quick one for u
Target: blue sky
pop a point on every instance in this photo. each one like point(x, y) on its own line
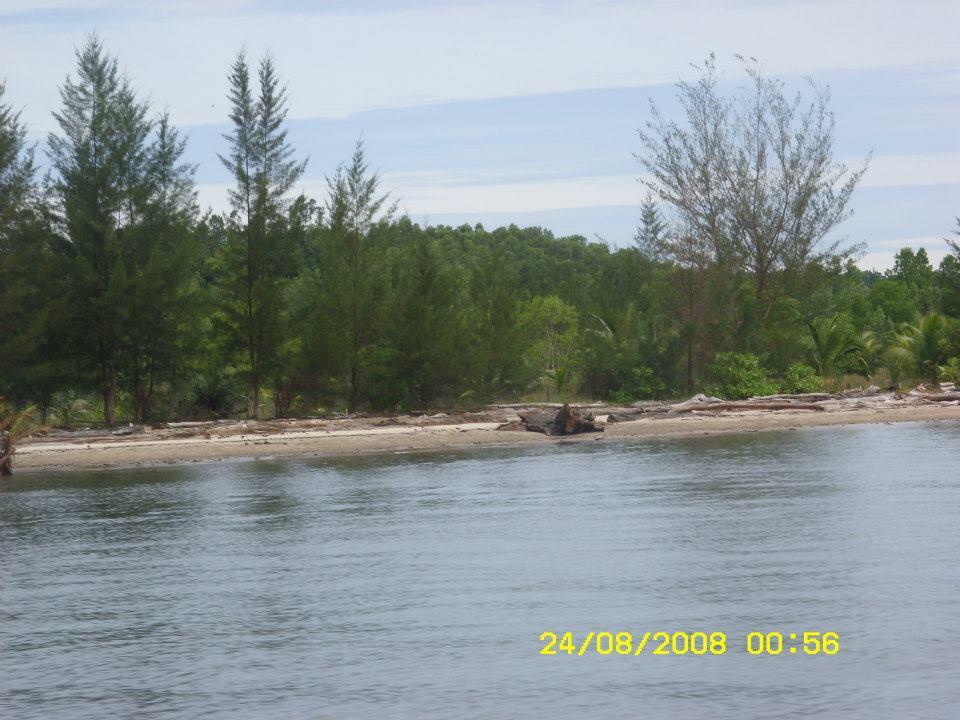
point(527, 111)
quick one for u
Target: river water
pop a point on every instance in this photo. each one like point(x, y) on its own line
point(419, 585)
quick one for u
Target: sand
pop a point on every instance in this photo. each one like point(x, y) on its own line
point(412, 434)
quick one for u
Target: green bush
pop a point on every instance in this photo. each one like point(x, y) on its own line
point(801, 378)
point(639, 383)
point(214, 394)
point(950, 372)
point(738, 376)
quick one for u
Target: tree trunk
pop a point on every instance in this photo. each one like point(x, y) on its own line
point(110, 400)
point(352, 402)
point(255, 400)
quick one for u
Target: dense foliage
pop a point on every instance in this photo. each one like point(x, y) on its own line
point(121, 301)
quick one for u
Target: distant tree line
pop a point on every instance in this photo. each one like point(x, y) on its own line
point(120, 300)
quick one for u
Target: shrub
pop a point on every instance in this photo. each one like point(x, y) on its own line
point(738, 376)
point(950, 372)
point(801, 378)
point(213, 394)
point(638, 384)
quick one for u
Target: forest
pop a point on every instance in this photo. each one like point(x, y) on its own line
point(121, 300)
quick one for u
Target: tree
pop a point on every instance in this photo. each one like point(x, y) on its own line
point(893, 297)
point(354, 204)
point(29, 273)
point(752, 177)
point(955, 244)
point(161, 263)
point(99, 161)
point(832, 344)
point(259, 253)
point(948, 281)
point(14, 424)
point(17, 168)
point(495, 340)
point(914, 271)
point(551, 327)
point(921, 348)
point(652, 232)
point(428, 326)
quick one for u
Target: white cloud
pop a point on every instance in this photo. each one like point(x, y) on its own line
point(912, 170)
point(519, 197)
point(339, 64)
point(453, 191)
point(931, 242)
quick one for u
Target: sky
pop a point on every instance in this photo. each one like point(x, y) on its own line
point(526, 111)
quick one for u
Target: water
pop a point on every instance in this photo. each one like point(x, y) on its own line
point(418, 585)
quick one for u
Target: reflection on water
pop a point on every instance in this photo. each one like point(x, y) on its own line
point(418, 585)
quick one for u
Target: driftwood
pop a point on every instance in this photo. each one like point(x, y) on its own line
point(684, 408)
point(937, 397)
point(802, 397)
point(628, 416)
point(566, 421)
point(859, 393)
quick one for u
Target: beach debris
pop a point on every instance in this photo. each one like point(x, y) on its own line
point(803, 397)
point(130, 429)
point(627, 414)
point(746, 405)
point(860, 392)
point(565, 421)
point(936, 397)
point(764, 402)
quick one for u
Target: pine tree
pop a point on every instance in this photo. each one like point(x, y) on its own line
point(161, 263)
point(28, 270)
point(259, 253)
point(99, 161)
point(427, 320)
point(652, 231)
point(17, 168)
point(354, 204)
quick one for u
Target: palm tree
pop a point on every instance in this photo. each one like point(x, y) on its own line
point(14, 424)
point(921, 348)
point(831, 343)
point(869, 351)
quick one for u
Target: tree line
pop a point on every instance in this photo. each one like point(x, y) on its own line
point(120, 300)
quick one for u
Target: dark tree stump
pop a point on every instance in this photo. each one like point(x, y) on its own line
point(566, 421)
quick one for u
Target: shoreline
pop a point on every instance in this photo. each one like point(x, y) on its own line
point(39, 456)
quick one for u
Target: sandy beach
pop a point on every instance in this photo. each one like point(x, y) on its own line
point(196, 442)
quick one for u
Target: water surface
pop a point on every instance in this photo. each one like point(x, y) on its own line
point(418, 585)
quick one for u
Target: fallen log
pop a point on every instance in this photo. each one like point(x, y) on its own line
point(937, 397)
point(696, 401)
point(803, 397)
point(711, 407)
point(624, 416)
